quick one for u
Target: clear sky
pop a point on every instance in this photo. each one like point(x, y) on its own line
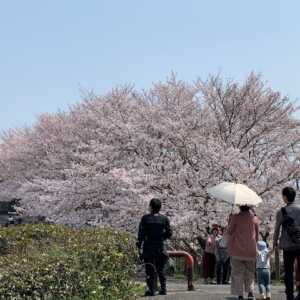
point(51, 49)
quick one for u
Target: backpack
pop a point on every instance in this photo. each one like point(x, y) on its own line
point(292, 229)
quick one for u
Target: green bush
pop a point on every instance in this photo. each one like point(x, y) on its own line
point(58, 262)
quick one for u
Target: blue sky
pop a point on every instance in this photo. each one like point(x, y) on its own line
point(52, 49)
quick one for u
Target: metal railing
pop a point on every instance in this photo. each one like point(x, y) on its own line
point(189, 261)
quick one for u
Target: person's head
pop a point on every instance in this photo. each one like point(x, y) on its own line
point(261, 245)
point(288, 195)
point(215, 231)
point(155, 206)
point(244, 208)
point(223, 230)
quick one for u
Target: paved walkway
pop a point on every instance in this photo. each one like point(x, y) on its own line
point(177, 291)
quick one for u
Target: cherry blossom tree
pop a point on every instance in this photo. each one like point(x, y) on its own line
point(100, 162)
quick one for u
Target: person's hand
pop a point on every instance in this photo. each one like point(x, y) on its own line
point(209, 241)
point(140, 252)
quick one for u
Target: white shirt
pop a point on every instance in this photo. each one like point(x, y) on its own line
point(263, 259)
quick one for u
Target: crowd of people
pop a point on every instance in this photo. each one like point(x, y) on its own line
point(234, 254)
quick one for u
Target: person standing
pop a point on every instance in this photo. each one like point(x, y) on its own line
point(154, 230)
point(209, 258)
point(263, 270)
point(297, 275)
point(243, 231)
point(222, 259)
point(287, 230)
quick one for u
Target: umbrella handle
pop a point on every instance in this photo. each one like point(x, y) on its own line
point(232, 208)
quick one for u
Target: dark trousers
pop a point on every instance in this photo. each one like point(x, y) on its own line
point(228, 271)
point(155, 266)
point(222, 271)
point(209, 265)
point(289, 258)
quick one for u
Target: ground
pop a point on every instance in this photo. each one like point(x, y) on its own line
point(177, 291)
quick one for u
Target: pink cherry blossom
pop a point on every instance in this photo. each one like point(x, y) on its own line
point(102, 161)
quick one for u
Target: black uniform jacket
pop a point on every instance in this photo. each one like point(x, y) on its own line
point(154, 229)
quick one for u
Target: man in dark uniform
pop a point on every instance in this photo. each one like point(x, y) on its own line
point(154, 230)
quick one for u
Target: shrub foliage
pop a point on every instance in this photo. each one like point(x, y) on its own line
point(58, 262)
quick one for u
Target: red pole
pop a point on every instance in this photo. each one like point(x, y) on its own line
point(189, 260)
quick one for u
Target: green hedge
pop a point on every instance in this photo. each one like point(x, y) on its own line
point(57, 262)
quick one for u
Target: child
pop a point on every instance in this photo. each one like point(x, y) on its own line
point(263, 270)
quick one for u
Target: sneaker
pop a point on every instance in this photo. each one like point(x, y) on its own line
point(241, 298)
point(149, 294)
point(251, 296)
point(162, 292)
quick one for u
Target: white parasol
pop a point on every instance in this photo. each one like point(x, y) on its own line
point(235, 194)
